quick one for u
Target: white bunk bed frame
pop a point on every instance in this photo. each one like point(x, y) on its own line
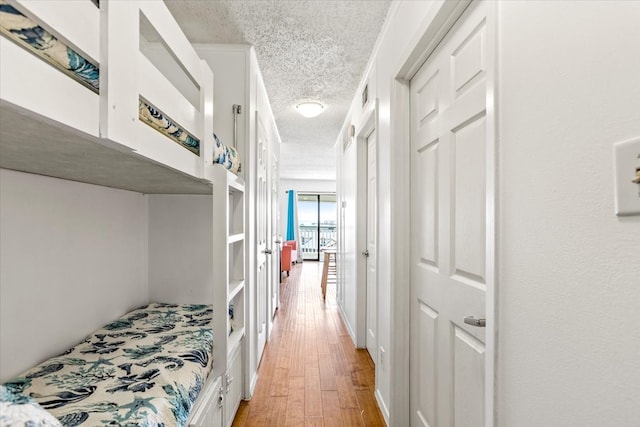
point(51, 125)
point(99, 135)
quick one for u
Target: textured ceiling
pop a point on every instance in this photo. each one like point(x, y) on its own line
point(307, 50)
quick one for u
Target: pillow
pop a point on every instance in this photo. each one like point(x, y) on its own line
point(226, 156)
point(19, 410)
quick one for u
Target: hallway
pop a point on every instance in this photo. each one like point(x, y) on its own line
point(310, 373)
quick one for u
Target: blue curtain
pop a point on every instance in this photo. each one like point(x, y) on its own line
point(291, 225)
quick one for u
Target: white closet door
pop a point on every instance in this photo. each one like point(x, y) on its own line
point(262, 215)
point(371, 250)
point(274, 276)
point(451, 235)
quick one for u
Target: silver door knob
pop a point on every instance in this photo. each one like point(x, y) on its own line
point(480, 323)
point(267, 251)
point(366, 253)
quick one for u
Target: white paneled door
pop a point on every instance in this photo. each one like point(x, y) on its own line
point(371, 252)
point(274, 261)
point(452, 232)
point(262, 237)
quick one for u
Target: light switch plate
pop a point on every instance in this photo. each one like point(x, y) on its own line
point(626, 160)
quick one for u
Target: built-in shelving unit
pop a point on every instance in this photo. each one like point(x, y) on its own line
point(229, 270)
point(235, 287)
point(239, 82)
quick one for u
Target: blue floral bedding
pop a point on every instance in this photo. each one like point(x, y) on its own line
point(150, 115)
point(28, 34)
point(226, 156)
point(18, 410)
point(144, 369)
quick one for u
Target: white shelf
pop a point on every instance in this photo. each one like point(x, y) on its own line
point(234, 288)
point(235, 238)
point(234, 340)
point(236, 183)
point(220, 175)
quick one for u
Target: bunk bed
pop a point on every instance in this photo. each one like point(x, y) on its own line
point(112, 93)
point(76, 86)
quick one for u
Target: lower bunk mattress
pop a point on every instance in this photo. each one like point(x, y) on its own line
point(145, 369)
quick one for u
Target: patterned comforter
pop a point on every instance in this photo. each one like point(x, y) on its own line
point(155, 118)
point(144, 369)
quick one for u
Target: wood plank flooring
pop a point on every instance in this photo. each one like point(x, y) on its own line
point(311, 374)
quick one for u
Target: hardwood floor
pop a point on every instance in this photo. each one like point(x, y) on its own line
point(311, 374)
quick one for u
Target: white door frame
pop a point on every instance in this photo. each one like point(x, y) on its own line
point(429, 35)
point(369, 123)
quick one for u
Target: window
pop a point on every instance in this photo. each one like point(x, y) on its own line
point(317, 217)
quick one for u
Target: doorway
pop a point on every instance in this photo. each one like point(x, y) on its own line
point(317, 213)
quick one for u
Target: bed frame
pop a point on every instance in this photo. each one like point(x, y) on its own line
point(36, 97)
point(123, 89)
point(53, 125)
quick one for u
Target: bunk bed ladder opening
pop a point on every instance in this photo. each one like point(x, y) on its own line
point(145, 105)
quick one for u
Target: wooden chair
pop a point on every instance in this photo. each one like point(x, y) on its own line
point(328, 267)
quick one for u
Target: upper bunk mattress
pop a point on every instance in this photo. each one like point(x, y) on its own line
point(145, 369)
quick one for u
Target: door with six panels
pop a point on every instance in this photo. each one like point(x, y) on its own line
point(452, 175)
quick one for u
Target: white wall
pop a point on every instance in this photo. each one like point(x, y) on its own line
point(72, 257)
point(569, 285)
point(181, 235)
point(308, 161)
